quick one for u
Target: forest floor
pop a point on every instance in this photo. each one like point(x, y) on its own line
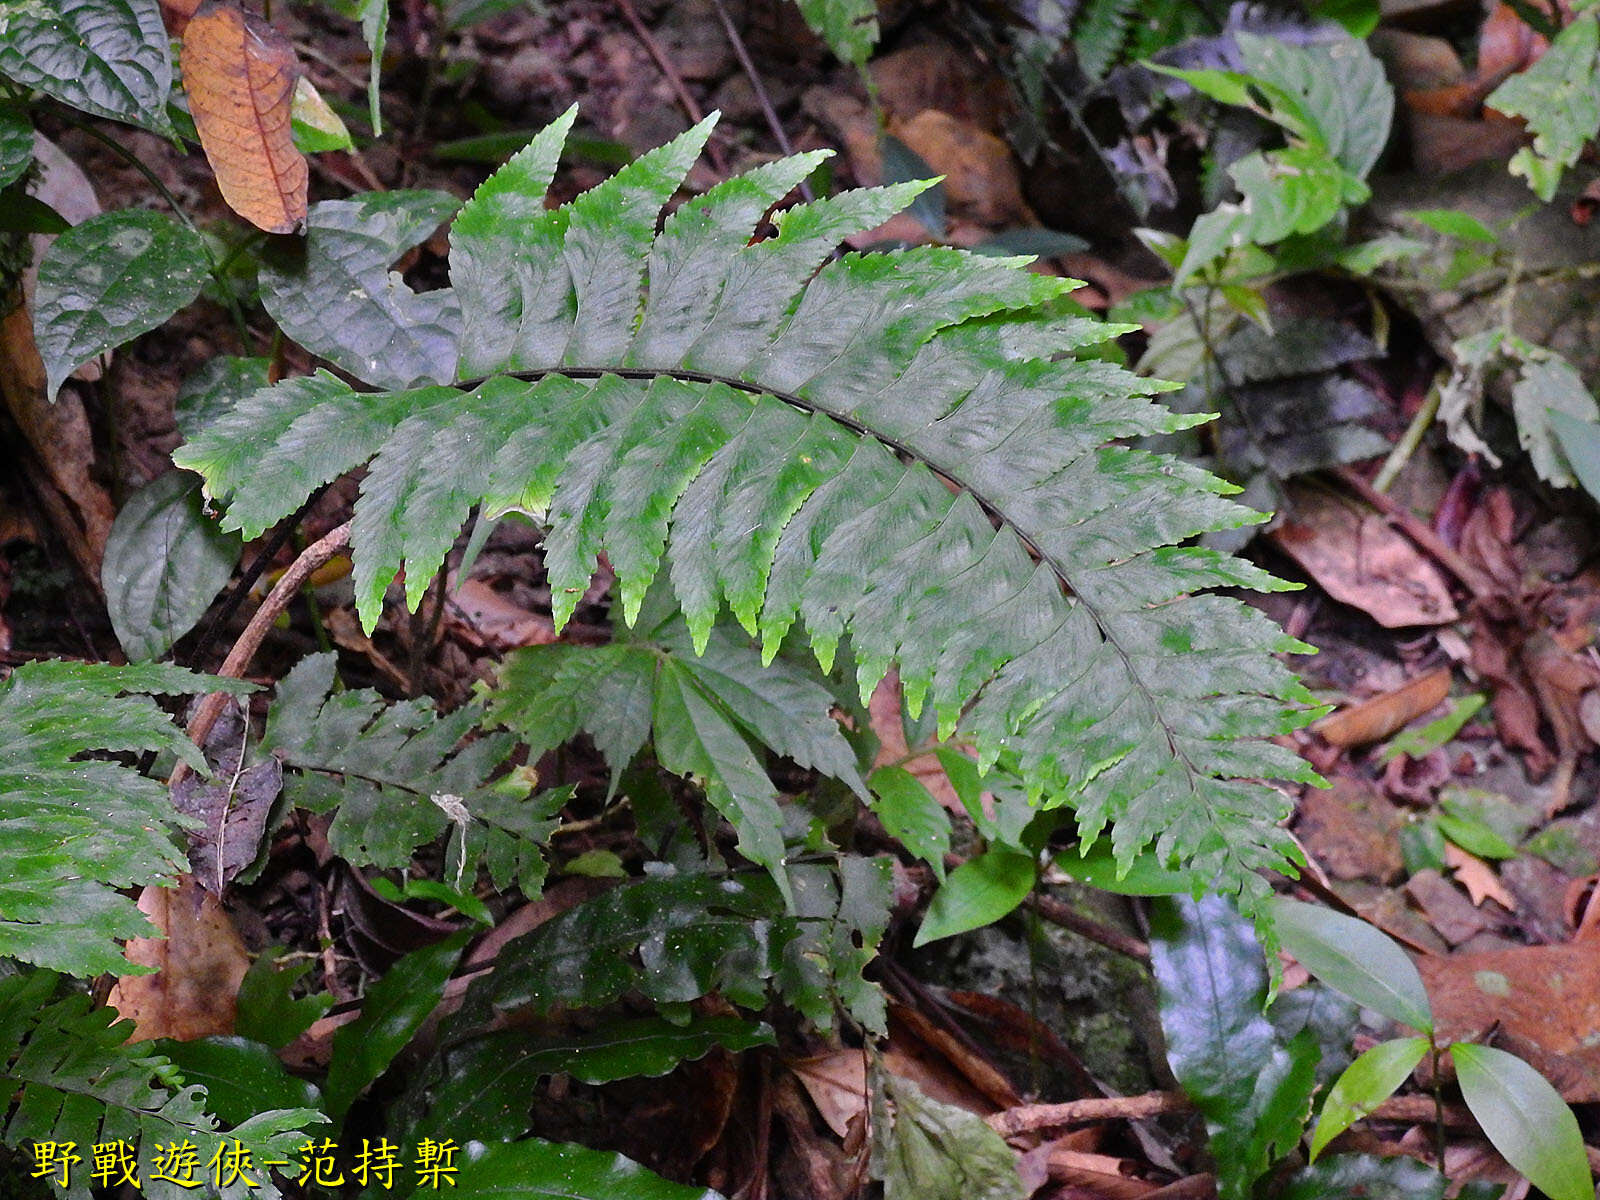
point(1457, 608)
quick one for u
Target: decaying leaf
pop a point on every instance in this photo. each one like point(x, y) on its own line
point(239, 73)
point(233, 805)
point(199, 964)
point(1478, 878)
point(1375, 719)
point(1361, 560)
point(923, 1149)
point(1540, 1002)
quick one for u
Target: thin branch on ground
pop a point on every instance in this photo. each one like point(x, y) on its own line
point(736, 40)
point(285, 590)
point(686, 101)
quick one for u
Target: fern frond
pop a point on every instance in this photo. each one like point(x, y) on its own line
point(894, 448)
point(80, 1082)
point(76, 828)
point(400, 776)
point(1099, 33)
point(72, 1077)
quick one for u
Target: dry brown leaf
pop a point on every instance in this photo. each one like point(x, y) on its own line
point(1352, 830)
point(1478, 878)
point(239, 73)
point(177, 14)
point(980, 174)
point(1541, 1003)
point(883, 714)
point(1375, 719)
point(1360, 559)
point(199, 965)
point(500, 623)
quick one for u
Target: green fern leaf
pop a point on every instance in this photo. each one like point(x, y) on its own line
point(72, 1077)
point(77, 828)
point(401, 776)
point(1099, 34)
point(701, 709)
point(897, 449)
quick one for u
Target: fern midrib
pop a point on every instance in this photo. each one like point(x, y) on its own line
point(991, 508)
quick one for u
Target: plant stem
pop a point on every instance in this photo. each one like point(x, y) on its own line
point(1409, 441)
point(288, 585)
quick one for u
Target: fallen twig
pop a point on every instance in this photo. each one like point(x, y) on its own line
point(686, 100)
point(233, 667)
point(1426, 539)
point(1030, 1118)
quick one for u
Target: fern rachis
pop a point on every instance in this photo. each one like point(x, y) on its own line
point(890, 448)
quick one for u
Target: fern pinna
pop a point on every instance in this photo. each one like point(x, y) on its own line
point(891, 448)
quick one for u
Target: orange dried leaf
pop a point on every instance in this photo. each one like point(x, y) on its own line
point(177, 14)
point(1375, 719)
point(240, 74)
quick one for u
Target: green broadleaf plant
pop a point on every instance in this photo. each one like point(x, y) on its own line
point(1333, 104)
point(165, 562)
point(110, 279)
point(775, 432)
point(106, 57)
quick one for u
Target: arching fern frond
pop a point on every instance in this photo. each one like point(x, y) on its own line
point(895, 448)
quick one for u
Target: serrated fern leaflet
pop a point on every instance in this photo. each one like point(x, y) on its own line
point(891, 448)
point(78, 827)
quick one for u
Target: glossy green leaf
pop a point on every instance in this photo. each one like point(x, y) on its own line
point(241, 1078)
point(538, 1170)
point(487, 1083)
point(104, 57)
point(977, 893)
point(671, 939)
point(850, 27)
point(16, 144)
point(1365, 1084)
point(334, 292)
point(1421, 740)
point(911, 815)
point(1452, 222)
point(317, 128)
point(1144, 876)
point(1356, 959)
point(165, 562)
point(1525, 1119)
point(392, 1011)
point(106, 281)
point(266, 1009)
point(1253, 1088)
point(1346, 1175)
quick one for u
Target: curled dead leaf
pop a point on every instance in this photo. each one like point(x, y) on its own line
point(1360, 559)
point(1375, 719)
point(239, 73)
point(199, 964)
